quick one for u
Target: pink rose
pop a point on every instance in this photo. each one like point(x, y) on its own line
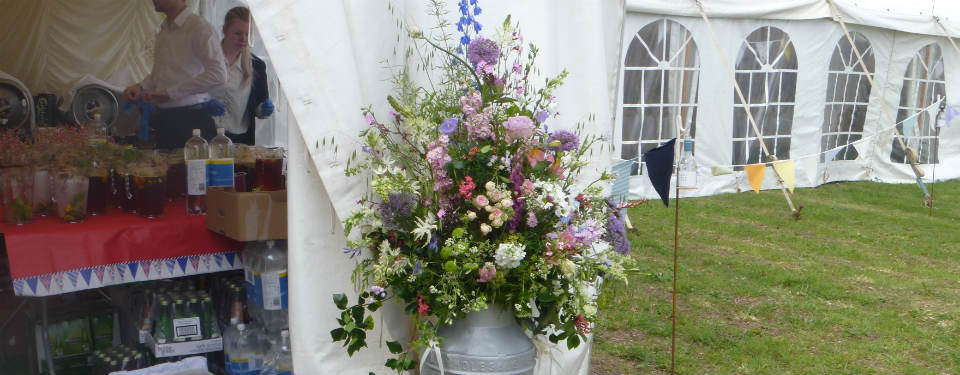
point(519, 127)
point(481, 201)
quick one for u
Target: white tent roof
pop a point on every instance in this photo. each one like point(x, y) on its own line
point(914, 16)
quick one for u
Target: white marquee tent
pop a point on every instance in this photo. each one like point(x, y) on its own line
point(635, 64)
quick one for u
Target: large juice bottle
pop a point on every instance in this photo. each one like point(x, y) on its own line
point(195, 155)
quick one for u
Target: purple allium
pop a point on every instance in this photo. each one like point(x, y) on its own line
point(483, 49)
point(617, 234)
point(541, 115)
point(518, 127)
point(449, 125)
point(397, 207)
point(563, 140)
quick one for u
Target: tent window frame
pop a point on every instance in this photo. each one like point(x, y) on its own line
point(754, 72)
point(662, 53)
point(844, 115)
point(916, 94)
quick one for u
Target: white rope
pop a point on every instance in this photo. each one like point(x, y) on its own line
point(435, 348)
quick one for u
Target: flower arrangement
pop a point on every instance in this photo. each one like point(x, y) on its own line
point(474, 199)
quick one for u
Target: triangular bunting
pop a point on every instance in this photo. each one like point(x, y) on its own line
point(45, 279)
point(660, 167)
point(183, 264)
point(195, 262)
point(133, 269)
point(86, 273)
point(206, 261)
point(121, 270)
point(18, 287)
point(158, 266)
point(230, 258)
point(73, 276)
point(32, 282)
point(59, 279)
point(98, 270)
point(951, 114)
point(755, 175)
point(831, 154)
point(218, 258)
point(170, 263)
point(145, 266)
point(909, 126)
point(787, 171)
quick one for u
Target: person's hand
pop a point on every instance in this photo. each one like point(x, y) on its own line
point(159, 96)
point(266, 109)
point(133, 92)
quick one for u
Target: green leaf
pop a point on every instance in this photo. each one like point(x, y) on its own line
point(573, 341)
point(459, 164)
point(355, 346)
point(340, 300)
point(368, 322)
point(485, 149)
point(374, 306)
point(349, 327)
point(506, 22)
point(338, 334)
point(356, 313)
point(394, 347)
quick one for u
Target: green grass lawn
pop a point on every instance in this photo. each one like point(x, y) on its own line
point(865, 282)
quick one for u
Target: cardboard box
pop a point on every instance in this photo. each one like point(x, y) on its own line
point(254, 216)
point(184, 348)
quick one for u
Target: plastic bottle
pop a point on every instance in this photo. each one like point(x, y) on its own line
point(687, 176)
point(280, 360)
point(98, 131)
point(273, 275)
point(230, 335)
point(220, 165)
point(246, 356)
point(252, 254)
point(195, 155)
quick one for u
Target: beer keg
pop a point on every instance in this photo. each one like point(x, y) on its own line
point(16, 105)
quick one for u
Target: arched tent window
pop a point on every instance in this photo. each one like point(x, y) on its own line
point(923, 82)
point(661, 77)
point(767, 73)
point(848, 93)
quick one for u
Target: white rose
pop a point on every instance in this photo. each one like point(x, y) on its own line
point(506, 202)
point(485, 228)
point(490, 186)
point(497, 223)
point(471, 215)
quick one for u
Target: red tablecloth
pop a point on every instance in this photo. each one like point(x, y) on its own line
point(112, 249)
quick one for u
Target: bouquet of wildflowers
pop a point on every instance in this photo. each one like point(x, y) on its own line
point(473, 198)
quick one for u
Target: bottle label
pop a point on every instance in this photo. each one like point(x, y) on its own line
point(220, 172)
point(275, 290)
point(257, 289)
point(196, 177)
point(244, 366)
point(186, 328)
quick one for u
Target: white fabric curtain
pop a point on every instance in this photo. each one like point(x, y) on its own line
point(328, 55)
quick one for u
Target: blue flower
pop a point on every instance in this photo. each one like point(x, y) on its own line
point(433, 245)
point(464, 40)
point(541, 115)
point(477, 26)
point(449, 125)
point(477, 10)
point(352, 251)
point(473, 2)
point(459, 27)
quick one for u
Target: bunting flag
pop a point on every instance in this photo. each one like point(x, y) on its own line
point(45, 279)
point(32, 283)
point(145, 266)
point(755, 175)
point(219, 259)
point(133, 269)
point(831, 154)
point(951, 114)
point(230, 258)
point(182, 261)
point(122, 271)
point(86, 273)
point(18, 287)
point(98, 270)
point(787, 171)
point(73, 276)
point(170, 263)
point(909, 125)
point(195, 262)
point(660, 167)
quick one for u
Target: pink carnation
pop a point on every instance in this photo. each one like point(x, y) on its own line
point(487, 272)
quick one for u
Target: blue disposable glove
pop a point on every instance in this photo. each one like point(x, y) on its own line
point(266, 108)
point(215, 108)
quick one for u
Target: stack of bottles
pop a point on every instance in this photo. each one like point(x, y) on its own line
point(184, 316)
point(120, 358)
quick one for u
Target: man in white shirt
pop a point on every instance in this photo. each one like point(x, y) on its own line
point(187, 64)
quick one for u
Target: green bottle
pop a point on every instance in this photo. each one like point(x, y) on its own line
point(164, 329)
point(180, 312)
point(208, 320)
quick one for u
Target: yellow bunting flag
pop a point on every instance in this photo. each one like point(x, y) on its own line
point(787, 172)
point(755, 175)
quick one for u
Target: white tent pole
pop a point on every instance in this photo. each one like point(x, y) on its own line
point(908, 153)
point(753, 123)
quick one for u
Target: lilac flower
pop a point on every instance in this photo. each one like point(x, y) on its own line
point(378, 291)
point(541, 116)
point(397, 207)
point(518, 127)
point(483, 49)
point(617, 234)
point(563, 140)
point(517, 68)
point(449, 125)
point(369, 118)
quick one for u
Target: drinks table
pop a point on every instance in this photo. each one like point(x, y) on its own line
point(48, 257)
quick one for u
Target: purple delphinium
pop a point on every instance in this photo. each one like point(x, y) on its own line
point(483, 49)
point(568, 140)
point(449, 125)
point(617, 234)
point(397, 207)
